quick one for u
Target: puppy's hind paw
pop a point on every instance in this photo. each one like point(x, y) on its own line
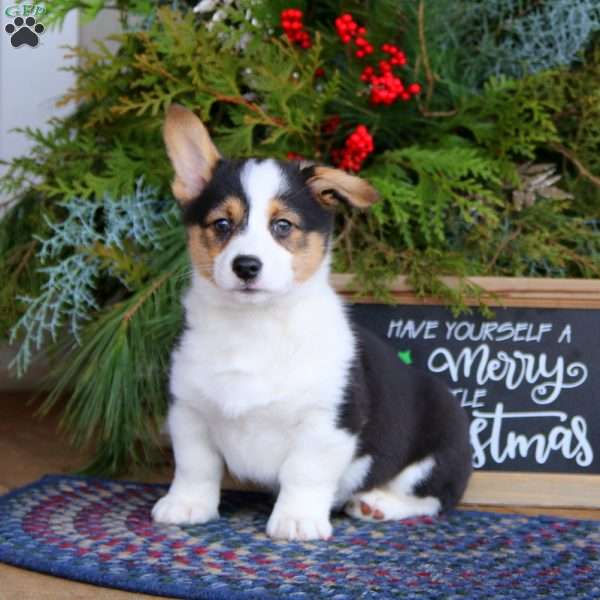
point(177, 510)
point(382, 505)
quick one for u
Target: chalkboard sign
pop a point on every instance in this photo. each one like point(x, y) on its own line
point(529, 378)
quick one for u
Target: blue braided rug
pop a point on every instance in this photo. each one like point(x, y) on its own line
point(101, 532)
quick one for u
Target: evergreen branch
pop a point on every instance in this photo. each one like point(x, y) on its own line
point(439, 113)
point(253, 107)
point(502, 246)
point(27, 255)
point(116, 377)
point(429, 76)
point(580, 167)
point(147, 293)
point(143, 63)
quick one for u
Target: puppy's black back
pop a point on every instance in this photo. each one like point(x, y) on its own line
point(404, 418)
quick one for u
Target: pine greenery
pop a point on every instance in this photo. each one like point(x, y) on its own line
point(511, 38)
point(93, 256)
point(82, 254)
point(115, 378)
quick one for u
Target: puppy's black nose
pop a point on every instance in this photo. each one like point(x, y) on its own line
point(246, 267)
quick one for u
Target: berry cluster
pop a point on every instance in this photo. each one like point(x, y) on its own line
point(358, 145)
point(347, 28)
point(383, 79)
point(386, 86)
point(291, 22)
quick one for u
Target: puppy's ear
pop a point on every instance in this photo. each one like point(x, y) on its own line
point(191, 151)
point(331, 185)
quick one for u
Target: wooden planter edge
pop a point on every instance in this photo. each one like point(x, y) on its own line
point(511, 488)
point(528, 292)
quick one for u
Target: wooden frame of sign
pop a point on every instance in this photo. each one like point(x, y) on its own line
point(511, 487)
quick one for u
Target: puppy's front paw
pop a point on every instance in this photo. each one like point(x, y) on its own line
point(178, 510)
point(292, 527)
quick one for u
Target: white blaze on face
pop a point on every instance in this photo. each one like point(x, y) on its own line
point(262, 182)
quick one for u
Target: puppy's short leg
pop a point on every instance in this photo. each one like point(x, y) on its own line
point(194, 494)
point(309, 478)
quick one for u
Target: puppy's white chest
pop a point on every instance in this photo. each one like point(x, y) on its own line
point(254, 446)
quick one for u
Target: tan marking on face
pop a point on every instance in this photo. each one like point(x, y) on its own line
point(309, 256)
point(307, 247)
point(203, 247)
point(231, 208)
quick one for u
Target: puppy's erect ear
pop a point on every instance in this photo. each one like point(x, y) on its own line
point(331, 185)
point(191, 151)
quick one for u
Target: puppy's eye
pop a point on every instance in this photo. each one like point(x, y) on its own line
point(281, 228)
point(222, 226)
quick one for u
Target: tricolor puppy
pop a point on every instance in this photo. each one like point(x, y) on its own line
point(271, 379)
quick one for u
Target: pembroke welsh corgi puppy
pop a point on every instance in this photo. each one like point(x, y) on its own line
point(271, 379)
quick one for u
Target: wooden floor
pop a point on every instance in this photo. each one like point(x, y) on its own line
point(30, 448)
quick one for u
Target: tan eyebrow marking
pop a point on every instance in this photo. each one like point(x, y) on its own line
point(279, 210)
point(231, 208)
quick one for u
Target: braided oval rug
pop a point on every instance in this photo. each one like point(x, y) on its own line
point(101, 532)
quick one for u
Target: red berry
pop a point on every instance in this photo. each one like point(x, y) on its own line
point(358, 145)
point(291, 23)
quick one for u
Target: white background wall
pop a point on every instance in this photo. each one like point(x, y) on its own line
point(31, 79)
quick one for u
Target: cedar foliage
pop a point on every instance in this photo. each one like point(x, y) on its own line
point(448, 167)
